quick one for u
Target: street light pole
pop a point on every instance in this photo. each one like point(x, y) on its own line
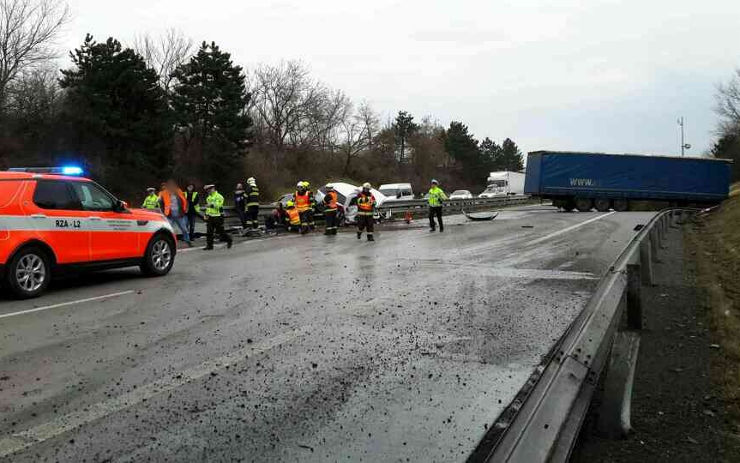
point(684, 145)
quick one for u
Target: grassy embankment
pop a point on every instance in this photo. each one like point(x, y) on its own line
point(713, 243)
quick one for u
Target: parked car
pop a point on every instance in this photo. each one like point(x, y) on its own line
point(397, 191)
point(461, 194)
point(52, 221)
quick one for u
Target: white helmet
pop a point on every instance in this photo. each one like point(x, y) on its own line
point(366, 185)
point(300, 184)
point(251, 180)
point(329, 186)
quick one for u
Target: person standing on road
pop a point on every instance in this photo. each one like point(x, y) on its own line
point(365, 210)
point(240, 204)
point(253, 203)
point(436, 197)
point(214, 218)
point(175, 208)
point(193, 207)
point(330, 210)
point(152, 200)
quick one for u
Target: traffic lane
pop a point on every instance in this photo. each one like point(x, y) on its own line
point(308, 247)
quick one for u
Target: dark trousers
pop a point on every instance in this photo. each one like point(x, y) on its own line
point(365, 222)
point(253, 214)
point(330, 216)
point(436, 211)
point(191, 225)
point(215, 225)
point(242, 215)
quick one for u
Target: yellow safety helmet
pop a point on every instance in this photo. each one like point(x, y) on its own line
point(289, 204)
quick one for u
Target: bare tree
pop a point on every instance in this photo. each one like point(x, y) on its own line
point(728, 104)
point(164, 54)
point(27, 32)
point(358, 130)
point(35, 95)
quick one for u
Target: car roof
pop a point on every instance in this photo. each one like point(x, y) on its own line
point(5, 175)
point(395, 185)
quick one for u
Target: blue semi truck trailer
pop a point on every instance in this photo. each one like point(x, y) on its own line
point(611, 181)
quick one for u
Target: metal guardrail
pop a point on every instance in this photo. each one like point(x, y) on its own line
point(543, 422)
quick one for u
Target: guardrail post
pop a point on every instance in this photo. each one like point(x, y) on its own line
point(634, 297)
point(646, 262)
point(615, 411)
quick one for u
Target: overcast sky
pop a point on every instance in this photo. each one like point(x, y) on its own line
point(609, 76)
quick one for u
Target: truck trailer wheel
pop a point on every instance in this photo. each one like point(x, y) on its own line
point(602, 204)
point(568, 205)
point(584, 204)
point(621, 205)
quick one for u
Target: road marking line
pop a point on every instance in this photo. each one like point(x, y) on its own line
point(65, 304)
point(566, 230)
point(45, 431)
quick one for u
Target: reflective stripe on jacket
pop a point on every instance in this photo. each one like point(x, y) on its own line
point(294, 216)
point(151, 202)
point(214, 204)
point(253, 193)
point(436, 196)
point(302, 201)
point(365, 204)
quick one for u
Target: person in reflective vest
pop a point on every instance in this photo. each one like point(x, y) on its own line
point(436, 196)
point(302, 200)
point(152, 200)
point(253, 203)
point(365, 210)
point(193, 207)
point(214, 218)
point(330, 210)
point(175, 208)
point(294, 218)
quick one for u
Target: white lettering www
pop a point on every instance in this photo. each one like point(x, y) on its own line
point(581, 182)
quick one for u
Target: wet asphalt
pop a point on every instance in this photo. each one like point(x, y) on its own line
point(301, 348)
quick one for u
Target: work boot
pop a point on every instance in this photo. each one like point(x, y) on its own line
point(441, 229)
point(229, 244)
point(359, 235)
point(208, 248)
point(327, 232)
point(370, 238)
point(432, 230)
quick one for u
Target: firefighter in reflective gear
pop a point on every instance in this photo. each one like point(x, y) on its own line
point(294, 218)
point(253, 203)
point(302, 200)
point(152, 200)
point(193, 207)
point(330, 210)
point(436, 196)
point(365, 208)
point(214, 218)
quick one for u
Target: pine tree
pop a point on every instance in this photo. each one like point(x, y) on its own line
point(404, 127)
point(210, 101)
point(117, 114)
point(511, 156)
point(463, 148)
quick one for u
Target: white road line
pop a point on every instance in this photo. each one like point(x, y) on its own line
point(45, 431)
point(566, 230)
point(65, 304)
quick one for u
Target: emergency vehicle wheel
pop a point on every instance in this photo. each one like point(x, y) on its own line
point(159, 256)
point(28, 273)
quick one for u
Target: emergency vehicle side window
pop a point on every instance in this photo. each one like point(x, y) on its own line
point(50, 194)
point(92, 197)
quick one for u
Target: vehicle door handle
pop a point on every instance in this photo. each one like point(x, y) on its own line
point(38, 216)
point(94, 218)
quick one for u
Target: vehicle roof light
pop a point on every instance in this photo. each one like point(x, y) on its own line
point(64, 170)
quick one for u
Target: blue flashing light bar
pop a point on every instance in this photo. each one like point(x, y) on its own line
point(64, 170)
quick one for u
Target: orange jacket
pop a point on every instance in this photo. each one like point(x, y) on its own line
point(165, 197)
point(294, 216)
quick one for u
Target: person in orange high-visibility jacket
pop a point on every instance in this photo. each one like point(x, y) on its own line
point(365, 209)
point(302, 199)
point(174, 206)
point(294, 218)
point(330, 210)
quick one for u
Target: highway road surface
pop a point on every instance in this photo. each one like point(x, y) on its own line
point(301, 348)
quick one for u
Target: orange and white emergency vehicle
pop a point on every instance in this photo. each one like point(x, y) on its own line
point(50, 223)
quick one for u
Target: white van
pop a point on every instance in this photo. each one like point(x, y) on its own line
point(397, 191)
point(504, 183)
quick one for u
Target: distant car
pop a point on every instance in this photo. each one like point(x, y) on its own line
point(492, 192)
point(461, 194)
point(397, 191)
point(52, 222)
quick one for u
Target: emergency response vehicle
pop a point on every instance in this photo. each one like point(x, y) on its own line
point(51, 222)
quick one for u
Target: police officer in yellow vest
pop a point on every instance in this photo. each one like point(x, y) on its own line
point(436, 196)
point(214, 218)
point(152, 199)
